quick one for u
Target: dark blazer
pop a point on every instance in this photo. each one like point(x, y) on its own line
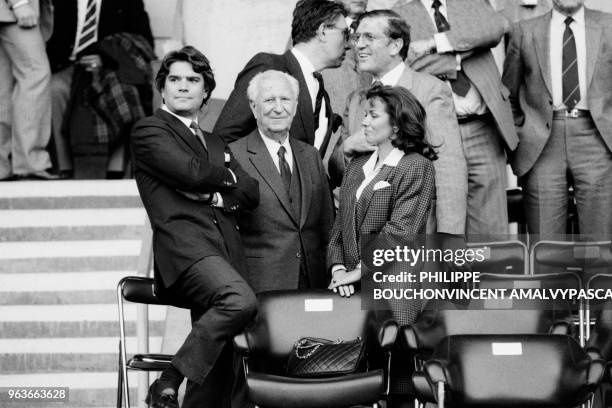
point(276, 240)
point(237, 120)
point(400, 209)
point(116, 16)
point(168, 157)
point(527, 75)
point(475, 28)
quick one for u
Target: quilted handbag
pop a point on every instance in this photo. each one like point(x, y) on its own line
point(314, 357)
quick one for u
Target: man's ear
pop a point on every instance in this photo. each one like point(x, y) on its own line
point(252, 106)
point(398, 44)
point(321, 33)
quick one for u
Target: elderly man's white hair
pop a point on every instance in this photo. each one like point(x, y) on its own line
point(256, 81)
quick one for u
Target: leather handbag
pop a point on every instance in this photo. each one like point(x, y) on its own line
point(315, 357)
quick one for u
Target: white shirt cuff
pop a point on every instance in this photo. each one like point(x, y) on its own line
point(442, 43)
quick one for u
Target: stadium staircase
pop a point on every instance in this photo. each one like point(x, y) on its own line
point(64, 245)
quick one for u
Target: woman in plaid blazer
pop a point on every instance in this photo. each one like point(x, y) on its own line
point(385, 195)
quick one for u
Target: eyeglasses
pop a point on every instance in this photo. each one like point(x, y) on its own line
point(346, 33)
point(367, 38)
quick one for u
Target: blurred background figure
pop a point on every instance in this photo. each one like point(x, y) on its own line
point(25, 107)
point(100, 54)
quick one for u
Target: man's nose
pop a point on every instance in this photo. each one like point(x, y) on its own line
point(278, 105)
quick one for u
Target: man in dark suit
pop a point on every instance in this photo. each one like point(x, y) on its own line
point(320, 37)
point(285, 237)
point(452, 40)
point(199, 260)
point(79, 28)
point(558, 69)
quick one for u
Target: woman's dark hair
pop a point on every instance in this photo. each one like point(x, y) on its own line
point(199, 63)
point(407, 114)
point(308, 15)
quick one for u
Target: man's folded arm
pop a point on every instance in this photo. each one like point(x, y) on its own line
point(161, 156)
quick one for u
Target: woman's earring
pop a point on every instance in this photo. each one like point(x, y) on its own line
point(395, 129)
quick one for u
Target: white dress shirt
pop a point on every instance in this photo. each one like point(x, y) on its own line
point(472, 103)
point(392, 77)
point(273, 146)
point(313, 88)
point(557, 27)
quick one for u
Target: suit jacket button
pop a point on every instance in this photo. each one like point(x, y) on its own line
point(297, 255)
point(547, 125)
point(215, 222)
point(237, 228)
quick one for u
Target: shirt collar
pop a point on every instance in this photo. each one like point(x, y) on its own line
point(391, 160)
point(559, 18)
point(428, 3)
point(186, 121)
point(305, 64)
point(392, 77)
point(272, 145)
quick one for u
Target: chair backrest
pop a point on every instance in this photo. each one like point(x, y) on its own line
point(139, 289)
point(600, 312)
point(284, 317)
point(584, 258)
point(497, 316)
point(508, 257)
point(514, 371)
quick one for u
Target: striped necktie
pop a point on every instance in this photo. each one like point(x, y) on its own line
point(460, 85)
point(569, 65)
point(285, 170)
point(89, 31)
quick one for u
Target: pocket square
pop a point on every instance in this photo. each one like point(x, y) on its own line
point(381, 184)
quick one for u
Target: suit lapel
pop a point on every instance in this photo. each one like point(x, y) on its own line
point(427, 27)
point(366, 196)
point(593, 42)
point(541, 39)
point(261, 160)
point(182, 131)
point(304, 168)
point(406, 79)
point(305, 111)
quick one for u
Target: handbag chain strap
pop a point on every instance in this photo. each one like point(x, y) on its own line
point(311, 347)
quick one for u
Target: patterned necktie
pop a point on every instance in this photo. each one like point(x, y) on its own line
point(321, 95)
point(285, 170)
point(89, 32)
point(198, 133)
point(460, 85)
point(569, 66)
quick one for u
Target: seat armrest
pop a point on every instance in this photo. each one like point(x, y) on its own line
point(422, 390)
point(436, 372)
point(240, 344)
point(410, 337)
point(561, 327)
point(386, 333)
point(595, 373)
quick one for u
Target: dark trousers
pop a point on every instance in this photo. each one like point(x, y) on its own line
point(221, 304)
point(575, 150)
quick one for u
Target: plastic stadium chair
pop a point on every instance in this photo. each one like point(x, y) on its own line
point(508, 257)
point(287, 316)
point(135, 289)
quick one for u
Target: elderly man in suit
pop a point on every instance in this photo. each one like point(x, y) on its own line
point(452, 40)
point(381, 43)
point(199, 259)
point(285, 237)
point(25, 110)
point(320, 37)
point(558, 69)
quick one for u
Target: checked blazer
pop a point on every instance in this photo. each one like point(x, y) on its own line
point(398, 211)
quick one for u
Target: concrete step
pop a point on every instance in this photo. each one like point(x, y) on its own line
point(121, 232)
point(86, 390)
point(61, 264)
point(38, 330)
point(75, 313)
point(58, 297)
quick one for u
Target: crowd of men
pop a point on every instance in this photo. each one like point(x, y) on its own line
point(249, 207)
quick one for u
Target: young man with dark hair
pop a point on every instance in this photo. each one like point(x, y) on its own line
point(320, 38)
point(199, 259)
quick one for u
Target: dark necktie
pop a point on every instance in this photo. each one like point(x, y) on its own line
point(89, 31)
point(569, 66)
point(460, 85)
point(285, 170)
point(198, 133)
point(321, 96)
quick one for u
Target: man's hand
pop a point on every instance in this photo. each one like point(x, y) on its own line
point(26, 16)
point(420, 48)
point(356, 144)
point(91, 63)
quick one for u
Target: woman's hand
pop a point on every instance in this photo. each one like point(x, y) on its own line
point(342, 281)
